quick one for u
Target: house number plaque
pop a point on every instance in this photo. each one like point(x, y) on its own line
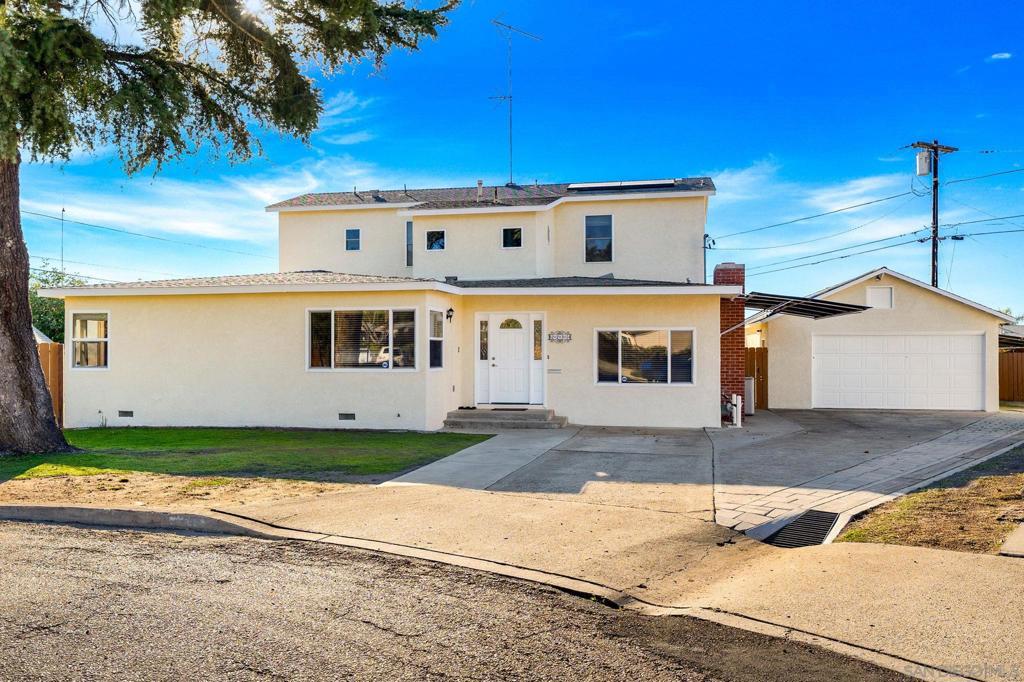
point(559, 337)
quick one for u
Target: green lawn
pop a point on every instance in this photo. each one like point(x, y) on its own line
point(255, 452)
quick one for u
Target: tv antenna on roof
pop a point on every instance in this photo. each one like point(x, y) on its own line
point(509, 32)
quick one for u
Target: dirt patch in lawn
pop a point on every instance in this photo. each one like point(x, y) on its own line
point(138, 489)
point(972, 511)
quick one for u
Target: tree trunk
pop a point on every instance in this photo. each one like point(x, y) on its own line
point(27, 423)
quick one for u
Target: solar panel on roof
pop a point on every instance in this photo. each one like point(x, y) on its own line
point(625, 184)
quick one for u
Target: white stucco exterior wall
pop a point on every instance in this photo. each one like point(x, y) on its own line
point(916, 310)
point(241, 360)
point(315, 240)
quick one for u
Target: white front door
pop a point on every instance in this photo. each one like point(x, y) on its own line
point(510, 359)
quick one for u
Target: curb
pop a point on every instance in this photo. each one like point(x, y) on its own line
point(128, 518)
point(226, 523)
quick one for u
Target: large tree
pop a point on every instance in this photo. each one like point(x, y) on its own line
point(206, 74)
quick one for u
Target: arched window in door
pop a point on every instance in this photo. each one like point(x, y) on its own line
point(511, 323)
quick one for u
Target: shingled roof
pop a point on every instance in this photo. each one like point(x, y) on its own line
point(270, 278)
point(490, 195)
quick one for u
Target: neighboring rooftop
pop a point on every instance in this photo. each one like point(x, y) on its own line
point(494, 195)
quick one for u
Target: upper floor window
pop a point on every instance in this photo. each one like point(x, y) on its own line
point(352, 239)
point(89, 340)
point(879, 297)
point(408, 243)
point(598, 239)
point(511, 237)
point(435, 240)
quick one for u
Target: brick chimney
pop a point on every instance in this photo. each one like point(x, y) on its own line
point(732, 344)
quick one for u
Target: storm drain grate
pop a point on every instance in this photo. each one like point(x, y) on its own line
point(810, 528)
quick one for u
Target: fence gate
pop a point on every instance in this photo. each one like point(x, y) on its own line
point(51, 357)
point(1011, 376)
point(757, 367)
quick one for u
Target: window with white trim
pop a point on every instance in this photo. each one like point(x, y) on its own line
point(362, 339)
point(89, 340)
point(645, 356)
point(597, 246)
point(436, 339)
point(352, 239)
point(435, 240)
point(511, 237)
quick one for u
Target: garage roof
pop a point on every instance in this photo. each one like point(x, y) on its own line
point(814, 308)
point(1012, 336)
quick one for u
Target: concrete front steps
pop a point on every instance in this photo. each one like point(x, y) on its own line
point(510, 418)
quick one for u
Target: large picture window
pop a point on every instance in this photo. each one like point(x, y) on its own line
point(89, 340)
point(598, 239)
point(362, 339)
point(644, 356)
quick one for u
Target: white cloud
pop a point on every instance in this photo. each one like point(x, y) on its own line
point(1000, 56)
point(340, 109)
point(343, 139)
point(756, 181)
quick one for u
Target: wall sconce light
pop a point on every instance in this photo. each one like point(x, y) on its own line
point(450, 314)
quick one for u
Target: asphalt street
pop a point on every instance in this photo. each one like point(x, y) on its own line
point(91, 604)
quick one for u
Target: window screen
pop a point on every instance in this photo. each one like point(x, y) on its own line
point(644, 357)
point(436, 339)
point(405, 338)
point(608, 357)
point(352, 239)
point(320, 338)
point(598, 241)
point(89, 340)
point(512, 237)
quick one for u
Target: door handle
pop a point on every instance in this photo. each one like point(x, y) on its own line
point(494, 364)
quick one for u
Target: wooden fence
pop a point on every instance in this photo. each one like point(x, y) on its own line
point(51, 357)
point(757, 367)
point(1011, 376)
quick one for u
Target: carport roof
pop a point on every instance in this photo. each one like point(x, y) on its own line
point(814, 308)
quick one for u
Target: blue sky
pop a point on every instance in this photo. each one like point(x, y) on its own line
point(792, 113)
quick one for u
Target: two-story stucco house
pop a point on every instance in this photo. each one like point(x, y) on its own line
point(393, 309)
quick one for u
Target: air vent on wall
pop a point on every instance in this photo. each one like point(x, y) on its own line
point(126, 413)
point(346, 416)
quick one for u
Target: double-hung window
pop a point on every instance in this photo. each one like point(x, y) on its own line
point(436, 339)
point(362, 339)
point(597, 246)
point(645, 356)
point(352, 239)
point(89, 340)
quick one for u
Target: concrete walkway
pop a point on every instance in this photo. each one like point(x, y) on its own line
point(858, 474)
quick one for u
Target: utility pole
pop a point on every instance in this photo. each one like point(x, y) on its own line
point(934, 150)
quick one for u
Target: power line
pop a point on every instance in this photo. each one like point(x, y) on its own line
point(818, 239)
point(59, 272)
point(880, 248)
point(983, 220)
point(981, 177)
point(843, 248)
point(847, 255)
point(147, 236)
point(817, 215)
point(114, 267)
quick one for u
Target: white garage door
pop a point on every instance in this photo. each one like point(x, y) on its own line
point(900, 372)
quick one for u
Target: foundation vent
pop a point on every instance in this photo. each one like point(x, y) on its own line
point(126, 413)
point(347, 416)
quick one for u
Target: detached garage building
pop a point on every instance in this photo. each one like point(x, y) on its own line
point(916, 348)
